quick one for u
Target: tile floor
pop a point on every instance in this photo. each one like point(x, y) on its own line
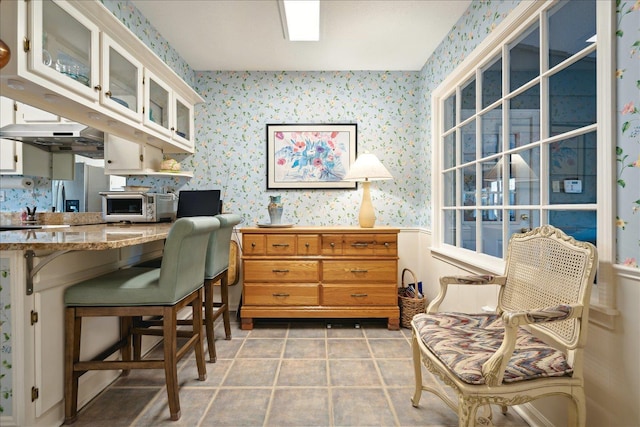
point(286, 373)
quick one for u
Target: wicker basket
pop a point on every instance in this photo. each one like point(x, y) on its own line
point(409, 305)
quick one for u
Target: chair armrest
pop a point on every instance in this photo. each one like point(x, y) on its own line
point(541, 315)
point(494, 368)
point(445, 281)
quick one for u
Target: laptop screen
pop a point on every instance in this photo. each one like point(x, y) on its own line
point(198, 203)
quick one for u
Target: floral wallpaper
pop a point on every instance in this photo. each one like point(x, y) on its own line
point(393, 113)
point(628, 138)
point(130, 16)
point(231, 147)
point(6, 359)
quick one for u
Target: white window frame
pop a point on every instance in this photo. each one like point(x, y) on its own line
point(603, 297)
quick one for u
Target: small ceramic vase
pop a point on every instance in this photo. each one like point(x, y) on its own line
point(275, 209)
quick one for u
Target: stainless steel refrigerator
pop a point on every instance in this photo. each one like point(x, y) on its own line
point(81, 194)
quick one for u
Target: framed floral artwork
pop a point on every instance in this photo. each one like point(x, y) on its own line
point(310, 156)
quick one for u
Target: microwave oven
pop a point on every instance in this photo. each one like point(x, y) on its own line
point(132, 206)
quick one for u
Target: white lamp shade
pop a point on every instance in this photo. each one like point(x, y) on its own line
point(367, 167)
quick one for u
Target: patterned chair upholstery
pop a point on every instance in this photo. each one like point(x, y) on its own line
point(531, 347)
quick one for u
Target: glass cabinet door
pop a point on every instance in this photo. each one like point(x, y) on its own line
point(64, 46)
point(121, 80)
point(183, 121)
point(157, 104)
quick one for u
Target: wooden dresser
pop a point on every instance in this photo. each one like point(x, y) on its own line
point(320, 272)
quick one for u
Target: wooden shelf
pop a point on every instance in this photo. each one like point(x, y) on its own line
point(184, 174)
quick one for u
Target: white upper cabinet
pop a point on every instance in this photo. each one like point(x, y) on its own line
point(121, 80)
point(75, 59)
point(167, 112)
point(182, 128)
point(64, 47)
point(157, 98)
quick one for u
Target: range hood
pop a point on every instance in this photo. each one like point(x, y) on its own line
point(73, 138)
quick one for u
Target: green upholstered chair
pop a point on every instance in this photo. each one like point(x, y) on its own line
point(135, 292)
point(216, 267)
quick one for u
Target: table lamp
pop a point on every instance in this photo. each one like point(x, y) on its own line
point(365, 169)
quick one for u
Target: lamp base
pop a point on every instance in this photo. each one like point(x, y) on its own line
point(367, 217)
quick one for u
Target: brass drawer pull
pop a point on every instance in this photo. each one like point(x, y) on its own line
point(284, 245)
point(359, 295)
point(362, 244)
point(386, 244)
point(279, 271)
point(306, 245)
point(359, 270)
point(333, 245)
point(280, 295)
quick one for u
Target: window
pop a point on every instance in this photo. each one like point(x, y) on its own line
point(518, 137)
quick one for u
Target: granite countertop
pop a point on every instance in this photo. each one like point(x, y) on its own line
point(84, 237)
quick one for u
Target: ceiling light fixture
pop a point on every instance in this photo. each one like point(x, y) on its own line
point(300, 19)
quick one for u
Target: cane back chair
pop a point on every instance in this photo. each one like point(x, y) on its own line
point(531, 347)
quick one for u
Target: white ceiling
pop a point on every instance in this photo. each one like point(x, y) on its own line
point(246, 35)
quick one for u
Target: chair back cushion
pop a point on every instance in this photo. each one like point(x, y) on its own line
point(219, 245)
point(547, 268)
point(182, 269)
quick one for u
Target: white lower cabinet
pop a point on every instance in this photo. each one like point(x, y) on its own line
point(34, 325)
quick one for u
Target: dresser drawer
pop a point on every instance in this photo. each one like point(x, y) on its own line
point(362, 271)
point(386, 244)
point(308, 244)
point(354, 295)
point(253, 244)
point(280, 271)
point(332, 244)
point(281, 244)
point(270, 294)
point(370, 244)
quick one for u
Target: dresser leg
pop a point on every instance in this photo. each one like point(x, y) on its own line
point(246, 323)
point(393, 323)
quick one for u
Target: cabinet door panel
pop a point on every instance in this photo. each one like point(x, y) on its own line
point(65, 46)
point(363, 271)
point(121, 80)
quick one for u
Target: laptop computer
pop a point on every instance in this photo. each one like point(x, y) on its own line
point(199, 203)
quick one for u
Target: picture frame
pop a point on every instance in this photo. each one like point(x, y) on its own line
point(310, 156)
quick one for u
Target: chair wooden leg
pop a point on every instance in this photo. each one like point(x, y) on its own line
point(224, 294)
point(199, 343)
point(73, 329)
point(417, 372)
point(467, 412)
point(208, 319)
point(577, 409)
point(125, 333)
point(169, 325)
point(137, 339)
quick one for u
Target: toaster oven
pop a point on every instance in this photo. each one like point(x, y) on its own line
point(134, 206)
